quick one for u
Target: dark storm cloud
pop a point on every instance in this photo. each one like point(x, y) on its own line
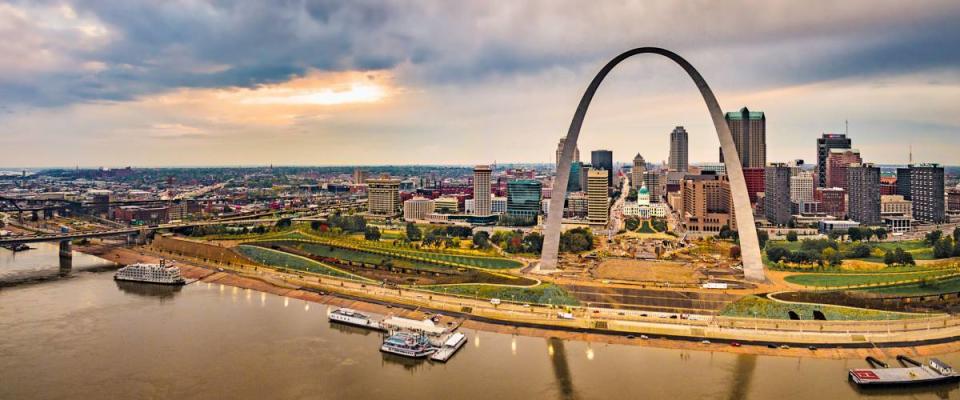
point(157, 46)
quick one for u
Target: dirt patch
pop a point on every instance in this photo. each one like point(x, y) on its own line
point(647, 271)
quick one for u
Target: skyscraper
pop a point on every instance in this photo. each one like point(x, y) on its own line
point(903, 182)
point(826, 142)
point(927, 193)
point(706, 205)
point(801, 187)
point(597, 202)
point(383, 196)
point(603, 159)
point(863, 182)
point(678, 150)
point(636, 175)
point(573, 182)
point(749, 130)
point(651, 179)
point(481, 190)
point(576, 151)
point(777, 204)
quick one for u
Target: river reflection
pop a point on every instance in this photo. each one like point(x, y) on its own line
point(163, 292)
point(88, 337)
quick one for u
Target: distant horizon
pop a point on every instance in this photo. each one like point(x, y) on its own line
point(201, 83)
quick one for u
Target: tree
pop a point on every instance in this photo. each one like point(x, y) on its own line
point(533, 243)
point(734, 252)
point(943, 248)
point(832, 256)
point(481, 239)
point(315, 225)
point(658, 224)
point(431, 238)
point(898, 256)
point(284, 223)
point(792, 236)
point(956, 234)
point(881, 233)
point(932, 238)
point(413, 232)
point(776, 253)
point(576, 240)
point(855, 234)
point(859, 251)
point(725, 232)
point(762, 237)
point(371, 233)
point(632, 223)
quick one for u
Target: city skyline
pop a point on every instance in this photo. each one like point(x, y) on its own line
point(175, 97)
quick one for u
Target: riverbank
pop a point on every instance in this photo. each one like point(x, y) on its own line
point(661, 335)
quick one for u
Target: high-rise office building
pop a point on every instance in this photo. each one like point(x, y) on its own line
point(927, 193)
point(863, 194)
point(576, 151)
point(598, 204)
point(832, 201)
point(801, 187)
point(678, 150)
point(383, 196)
point(359, 176)
point(777, 205)
point(749, 130)
point(651, 179)
point(481, 190)
point(636, 174)
point(755, 180)
point(837, 163)
point(705, 203)
point(417, 208)
point(825, 143)
point(903, 182)
point(603, 159)
point(523, 197)
point(573, 182)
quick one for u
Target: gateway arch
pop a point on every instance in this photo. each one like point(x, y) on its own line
point(746, 228)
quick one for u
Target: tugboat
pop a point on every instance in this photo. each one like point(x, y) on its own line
point(912, 373)
point(162, 274)
point(408, 345)
point(351, 317)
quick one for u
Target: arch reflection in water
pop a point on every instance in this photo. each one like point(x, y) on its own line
point(163, 292)
point(561, 369)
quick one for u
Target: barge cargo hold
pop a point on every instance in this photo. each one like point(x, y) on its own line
point(934, 372)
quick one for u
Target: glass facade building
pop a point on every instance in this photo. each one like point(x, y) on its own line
point(523, 197)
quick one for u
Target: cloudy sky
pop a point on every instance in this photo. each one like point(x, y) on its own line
point(155, 83)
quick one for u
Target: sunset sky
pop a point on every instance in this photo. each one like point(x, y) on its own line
point(168, 83)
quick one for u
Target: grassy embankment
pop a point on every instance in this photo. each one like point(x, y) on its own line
point(761, 307)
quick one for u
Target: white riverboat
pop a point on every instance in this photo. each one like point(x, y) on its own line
point(450, 346)
point(351, 317)
point(161, 273)
point(408, 345)
point(911, 373)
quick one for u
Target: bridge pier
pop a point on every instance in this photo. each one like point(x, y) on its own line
point(66, 257)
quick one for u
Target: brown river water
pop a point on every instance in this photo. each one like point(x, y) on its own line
point(77, 334)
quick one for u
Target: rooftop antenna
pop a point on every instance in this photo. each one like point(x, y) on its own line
point(911, 153)
point(846, 127)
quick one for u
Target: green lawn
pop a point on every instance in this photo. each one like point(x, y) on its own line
point(920, 289)
point(323, 250)
point(540, 294)
point(280, 259)
point(848, 279)
point(646, 227)
point(917, 248)
point(762, 307)
point(425, 254)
